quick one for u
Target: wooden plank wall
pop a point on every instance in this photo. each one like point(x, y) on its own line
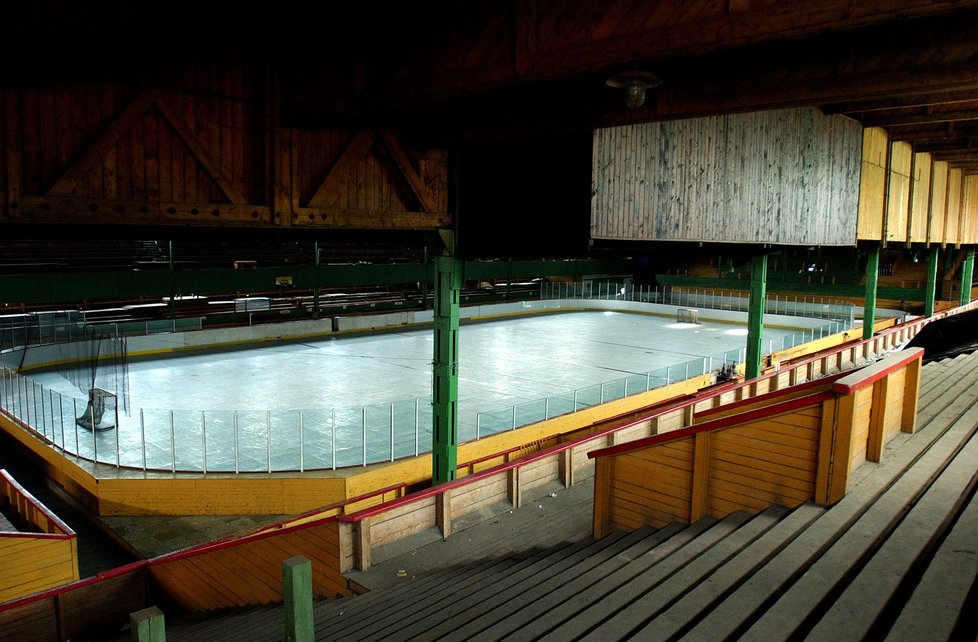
point(204, 146)
point(938, 202)
point(898, 191)
point(248, 571)
point(952, 216)
point(920, 198)
point(784, 177)
point(33, 563)
point(78, 610)
point(969, 209)
point(755, 458)
point(872, 184)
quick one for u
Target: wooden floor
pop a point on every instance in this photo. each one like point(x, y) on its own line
point(894, 559)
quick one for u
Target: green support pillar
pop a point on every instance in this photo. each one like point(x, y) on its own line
point(931, 293)
point(444, 450)
point(315, 290)
point(173, 304)
point(967, 275)
point(755, 315)
point(869, 305)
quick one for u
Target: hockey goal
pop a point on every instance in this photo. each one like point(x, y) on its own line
point(687, 315)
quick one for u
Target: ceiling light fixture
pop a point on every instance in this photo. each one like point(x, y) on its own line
point(634, 83)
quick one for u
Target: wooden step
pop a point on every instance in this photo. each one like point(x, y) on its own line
point(806, 599)
point(941, 593)
point(859, 610)
point(696, 603)
point(751, 600)
point(524, 604)
point(619, 599)
point(434, 625)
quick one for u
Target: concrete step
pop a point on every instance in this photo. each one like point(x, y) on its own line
point(860, 609)
point(622, 623)
point(696, 603)
point(619, 599)
point(941, 593)
point(359, 624)
point(492, 618)
point(808, 598)
point(799, 559)
point(433, 623)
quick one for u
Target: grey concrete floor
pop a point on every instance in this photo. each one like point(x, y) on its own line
point(290, 404)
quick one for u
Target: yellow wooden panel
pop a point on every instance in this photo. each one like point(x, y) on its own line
point(938, 202)
point(776, 434)
point(759, 488)
point(645, 510)
point(663, 478)
point(665, 497)
point(969, 209)
point(872, 185)
point(29, 565)
point(725, 469)
point(898, 191)
point(953, 212)
point(741, 456)
point(767, 453)
point(921, 197)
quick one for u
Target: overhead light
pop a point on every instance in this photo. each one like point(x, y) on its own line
point(634, 83)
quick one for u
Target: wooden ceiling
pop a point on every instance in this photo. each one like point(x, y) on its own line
point(448, 71)
point(483, 70)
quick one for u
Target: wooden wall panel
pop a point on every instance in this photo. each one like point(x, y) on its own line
point(249, 572)
point(938, 202)
point(952, 233)
point(920, 198)
point(969, 209)
point(32, 564)
point(860, 426)
point(898, 191)
point(872, 184)
point(784, 177)
point(203, 146)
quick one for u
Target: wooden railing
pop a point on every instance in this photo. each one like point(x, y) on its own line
point(41, 553)
point(785, 452)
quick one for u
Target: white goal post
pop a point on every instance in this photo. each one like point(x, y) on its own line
point(687, 315)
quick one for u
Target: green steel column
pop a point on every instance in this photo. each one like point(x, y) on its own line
point(444, 450)
point(869, 305)
point(931, 293)
point(424, 282)
point(173, 304)
point(967, 274)
point(315, 290)
point(755, 314)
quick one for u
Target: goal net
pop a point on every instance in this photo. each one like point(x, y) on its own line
point(101, 412)
point(687, 315)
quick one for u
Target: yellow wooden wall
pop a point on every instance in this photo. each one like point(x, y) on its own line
point(872, 184)
point(908, 197)
point(938, 202)
point(898, 191)
point(920, 198)
point(30, 564)
point(969, 209)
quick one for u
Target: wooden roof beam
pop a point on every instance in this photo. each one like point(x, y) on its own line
point(916, 119)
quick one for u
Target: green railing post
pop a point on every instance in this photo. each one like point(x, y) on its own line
point(755, 315)
point(931, 293)
point(869, 302)
point(444, 448)
point(967, 275)
point(297, 594)
point(147, 625)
